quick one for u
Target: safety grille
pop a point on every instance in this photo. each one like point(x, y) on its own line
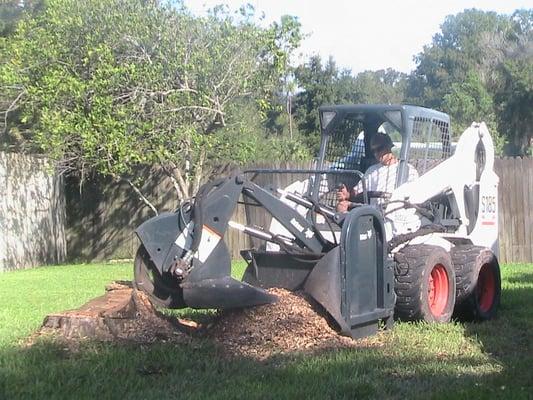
point(430, 143)
point(345, 150)
point(345, 147)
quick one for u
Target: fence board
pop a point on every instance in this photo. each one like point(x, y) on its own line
point(503, 211)
point(506, 206)
point(528, 206)
point(520, 210)
point(513, 190)
point(516, 200)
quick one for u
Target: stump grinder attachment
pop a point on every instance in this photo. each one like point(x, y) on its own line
point(183, 261)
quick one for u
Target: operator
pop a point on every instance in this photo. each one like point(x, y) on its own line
point(378, 177)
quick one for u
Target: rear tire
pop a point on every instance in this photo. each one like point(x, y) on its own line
point(424, 284)
point(478, 282)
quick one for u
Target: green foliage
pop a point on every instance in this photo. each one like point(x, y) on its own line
point(454, 52)
point(469, 101)
point(109, 85)
point(477, 68)
point(106, 86)
point(514, 99)
point(382, 86)
point(319, 86)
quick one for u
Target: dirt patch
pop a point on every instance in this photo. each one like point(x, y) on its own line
point(293, 324)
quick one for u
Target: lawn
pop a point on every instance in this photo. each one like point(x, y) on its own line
point(456, 360)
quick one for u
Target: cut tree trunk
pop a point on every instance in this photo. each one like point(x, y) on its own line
point(123, 313)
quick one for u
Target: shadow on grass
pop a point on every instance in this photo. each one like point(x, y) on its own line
point(524, 278)
point(508, 338)
point(197, 370)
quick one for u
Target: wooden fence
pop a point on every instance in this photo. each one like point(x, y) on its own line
point(103, 215)
point(515, 209)
point(32, 212)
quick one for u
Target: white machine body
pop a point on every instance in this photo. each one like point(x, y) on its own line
point(451, 177)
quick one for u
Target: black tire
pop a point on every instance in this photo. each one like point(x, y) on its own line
point(424, 284)
point(162, 290)
point(478, 281)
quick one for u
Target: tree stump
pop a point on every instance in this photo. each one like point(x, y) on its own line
point(123, 313)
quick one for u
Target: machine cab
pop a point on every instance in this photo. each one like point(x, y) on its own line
point(421, 137)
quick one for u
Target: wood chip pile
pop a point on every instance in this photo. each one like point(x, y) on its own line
point(290, 325)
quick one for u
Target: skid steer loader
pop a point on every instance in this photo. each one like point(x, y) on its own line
point(423, 251)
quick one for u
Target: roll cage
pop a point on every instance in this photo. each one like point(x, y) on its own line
point(425, 136)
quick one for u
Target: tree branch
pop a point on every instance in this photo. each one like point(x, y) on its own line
point(12, 106)
point(183, 183)
point(142, 197)
point(193, 108)
point(170, 174)
point(199, 170)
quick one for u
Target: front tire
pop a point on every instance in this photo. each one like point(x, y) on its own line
point(162, 290)
point(424, 284)
point(478, 283)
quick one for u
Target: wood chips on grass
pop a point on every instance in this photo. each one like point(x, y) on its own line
point(292, 324)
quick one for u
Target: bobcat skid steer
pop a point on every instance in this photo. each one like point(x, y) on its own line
point(424, 249)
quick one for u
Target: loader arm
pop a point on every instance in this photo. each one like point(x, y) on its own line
point(306, 234)
point(187, 246)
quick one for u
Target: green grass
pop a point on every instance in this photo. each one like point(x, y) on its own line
point(465, 361)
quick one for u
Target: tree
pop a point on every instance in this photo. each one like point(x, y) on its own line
point(319, 86)
point(514, 99)
point(382, 86)
point(513, 87)
point(455, 52)
point(468, 101)
point(108, 85)
point(279, 115)
point(478, 68)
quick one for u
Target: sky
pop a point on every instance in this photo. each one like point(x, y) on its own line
point(365, 34)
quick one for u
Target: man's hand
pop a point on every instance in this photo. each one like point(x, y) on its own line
point(343, 194)
point(343, 198)
point(343, 206)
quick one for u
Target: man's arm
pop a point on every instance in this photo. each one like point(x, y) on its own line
point(345, 197)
